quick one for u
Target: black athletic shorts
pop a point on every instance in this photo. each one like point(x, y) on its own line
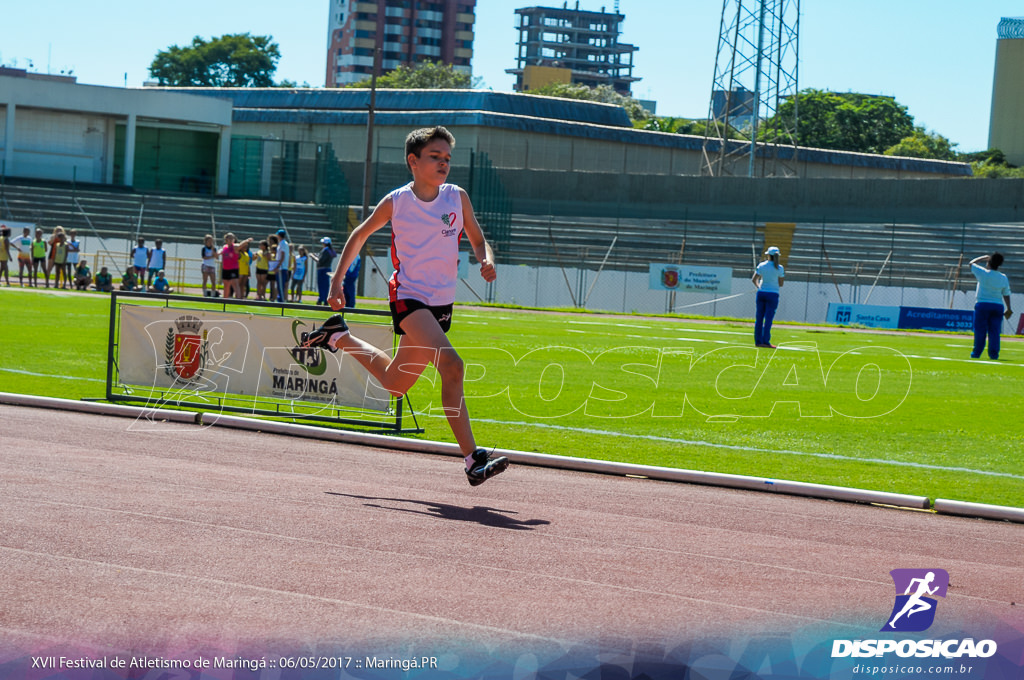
point(403, 308)
point(229, 274)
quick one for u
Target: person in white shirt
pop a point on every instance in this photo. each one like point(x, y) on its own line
point(157, 261)
point(993, 289)
point(283, 265)
point(428, 216)
point(140, 259)
point(768, 279)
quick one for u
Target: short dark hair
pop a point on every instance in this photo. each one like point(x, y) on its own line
point(995, 260)
point(417, 139)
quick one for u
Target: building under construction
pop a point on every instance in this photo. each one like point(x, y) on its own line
point(572, 46)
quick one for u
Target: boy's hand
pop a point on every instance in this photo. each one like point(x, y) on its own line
point(487, 271)
point(336, 299)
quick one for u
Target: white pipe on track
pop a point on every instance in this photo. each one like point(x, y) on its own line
point(806, 489)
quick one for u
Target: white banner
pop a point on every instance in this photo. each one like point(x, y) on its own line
point(690, 279)
point(204, 354)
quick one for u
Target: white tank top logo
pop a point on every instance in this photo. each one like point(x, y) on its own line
point(449, 222)
point(425, 245)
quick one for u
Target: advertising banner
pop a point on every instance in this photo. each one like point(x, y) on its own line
point(872, 316)
point(198, 352)
point(907, 318)
point(937, 319)
point(690, 279)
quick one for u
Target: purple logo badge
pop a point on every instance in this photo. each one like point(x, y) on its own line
point(916, 589)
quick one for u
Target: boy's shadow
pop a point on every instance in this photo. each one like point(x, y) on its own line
point(489, 517)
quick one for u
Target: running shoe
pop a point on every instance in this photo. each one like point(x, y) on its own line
point(320, 337)
point(484, 467)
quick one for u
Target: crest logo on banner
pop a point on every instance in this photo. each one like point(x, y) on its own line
point(670, 277)
point(185, 350)
point(914, 610)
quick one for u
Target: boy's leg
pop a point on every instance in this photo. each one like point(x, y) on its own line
point(423, 331)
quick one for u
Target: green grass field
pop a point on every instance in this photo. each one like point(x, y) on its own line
point(891, 412)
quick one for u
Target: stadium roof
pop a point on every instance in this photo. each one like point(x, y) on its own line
point(502, 110)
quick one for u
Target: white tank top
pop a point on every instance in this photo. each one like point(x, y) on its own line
point(425, 245)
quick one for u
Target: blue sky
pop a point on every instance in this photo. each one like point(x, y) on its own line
point(935, 56)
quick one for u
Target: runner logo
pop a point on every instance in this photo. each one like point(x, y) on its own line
point(914, 609)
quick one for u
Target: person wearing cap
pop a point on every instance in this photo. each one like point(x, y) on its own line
point(768, 279)
point(324, 263)
point(993, 290)
point(284, 262)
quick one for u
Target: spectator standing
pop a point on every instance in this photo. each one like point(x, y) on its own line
point(229, 262)
point(140, 259)
point(299, 275)
point(768, 279)
point(262, 262)
point(324, 262)
point(74, 253)
point(993, 290)
point(351, 277)
point(209, 266)
point(274, 265)
point(284, 262)
point(39, 259)
point(24, 246)
point(157, 260)
point(5, 253)
point(60, 262)
point(244, 266)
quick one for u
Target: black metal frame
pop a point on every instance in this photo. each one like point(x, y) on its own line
point(206, 303)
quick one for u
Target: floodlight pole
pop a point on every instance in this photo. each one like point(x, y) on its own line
point(377, 56)
point(759, 58)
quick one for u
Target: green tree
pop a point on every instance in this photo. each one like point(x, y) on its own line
point(991, 164)
point(682, 126)
point(237, 60)
point(602, 93)
point(924, 144)
point(428, 75)
point(847, 121)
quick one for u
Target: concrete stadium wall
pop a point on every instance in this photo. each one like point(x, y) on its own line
point(738, 198)
point(608, 194)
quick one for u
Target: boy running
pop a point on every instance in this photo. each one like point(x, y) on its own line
point(427, 218)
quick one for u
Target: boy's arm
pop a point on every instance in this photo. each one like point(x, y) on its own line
point(481, 248)
point(380, 216)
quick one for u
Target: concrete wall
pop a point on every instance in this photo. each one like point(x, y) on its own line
point(65, 131)
point(868, 200)
point(606, 194)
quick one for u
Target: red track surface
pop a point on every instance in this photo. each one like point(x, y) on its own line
point(115, 537)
